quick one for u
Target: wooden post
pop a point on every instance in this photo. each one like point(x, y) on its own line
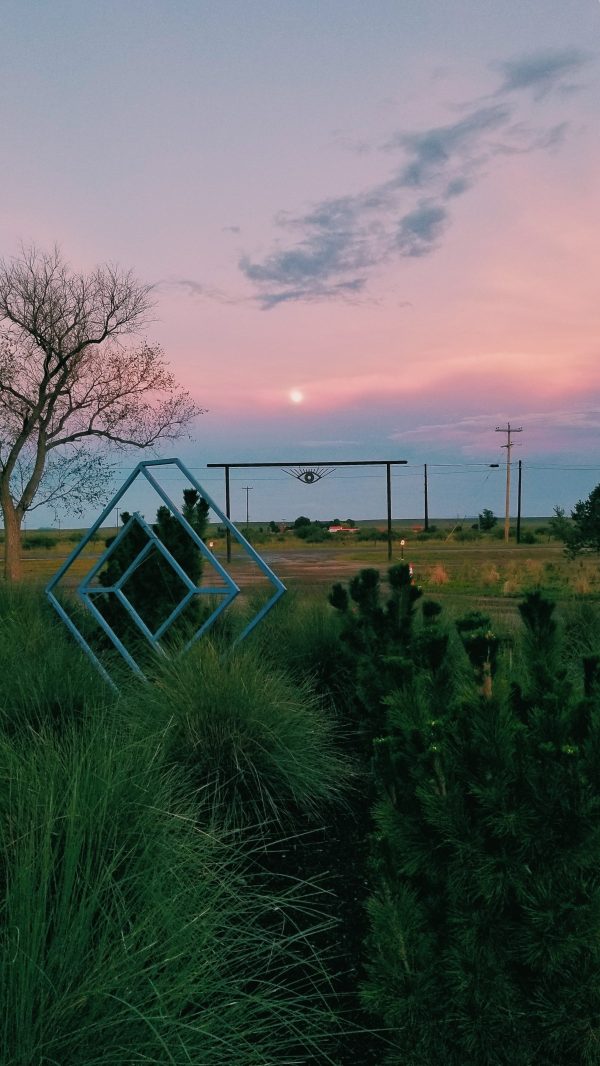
point(509, 445)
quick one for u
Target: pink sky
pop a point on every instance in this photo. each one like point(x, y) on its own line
point(392, 208)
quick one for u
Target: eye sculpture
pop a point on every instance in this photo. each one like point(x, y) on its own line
point(309, 474)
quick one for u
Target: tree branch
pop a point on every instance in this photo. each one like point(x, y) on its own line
point(66, 378)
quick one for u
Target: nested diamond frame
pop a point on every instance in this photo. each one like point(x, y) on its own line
point(227, 591)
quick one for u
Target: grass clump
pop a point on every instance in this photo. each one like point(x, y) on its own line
point(245, 734)
point(45, 677)
point(129, 931)
point(302, 636)
point(581, 621)
point(128, 935)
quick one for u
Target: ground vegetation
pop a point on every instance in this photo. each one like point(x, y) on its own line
point(380, 817)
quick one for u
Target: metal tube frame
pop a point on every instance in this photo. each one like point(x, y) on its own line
point(86, 590)
point(388, 463)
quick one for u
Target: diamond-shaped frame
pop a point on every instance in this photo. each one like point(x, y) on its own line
point(228, 591)
point(86, 590)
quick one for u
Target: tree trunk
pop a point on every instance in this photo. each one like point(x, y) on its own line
point(13, 570)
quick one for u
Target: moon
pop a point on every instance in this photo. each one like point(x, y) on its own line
point(296, 396)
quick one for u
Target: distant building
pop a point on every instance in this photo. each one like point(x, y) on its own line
point(342, 529)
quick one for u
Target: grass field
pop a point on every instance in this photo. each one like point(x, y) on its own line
point(446, 566)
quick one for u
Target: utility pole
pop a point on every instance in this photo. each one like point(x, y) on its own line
point(519, 503)
point(426, 500)
point(509, 430)
point(388, 482)
point(228, 512)
point(247, 489)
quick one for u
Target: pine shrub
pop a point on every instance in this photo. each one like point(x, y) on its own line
point(483, 945)
point(153, 588)
point(374, 643)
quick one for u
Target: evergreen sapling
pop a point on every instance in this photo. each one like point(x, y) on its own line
point(483, 946)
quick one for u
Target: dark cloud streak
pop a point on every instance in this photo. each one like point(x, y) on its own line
point(342, 240)
point(419, 231)
point(432, 151)
point(543, 71)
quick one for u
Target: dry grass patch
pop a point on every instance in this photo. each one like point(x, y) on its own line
point(438, 575)
point(490, 575)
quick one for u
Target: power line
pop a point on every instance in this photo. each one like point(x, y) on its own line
point(532, 465)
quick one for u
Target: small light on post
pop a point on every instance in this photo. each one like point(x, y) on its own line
point(402, 543)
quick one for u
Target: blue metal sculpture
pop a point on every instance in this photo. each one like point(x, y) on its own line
point(87, 590)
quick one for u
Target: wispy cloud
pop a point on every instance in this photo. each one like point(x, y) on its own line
point(420, 230)
point(543, 71)
point(431, 152)
point(325, 443)
point(338, 243)
point(474, 427)
point(197, 290)
point(332, 250)
point(308, 293)
point(349, 143)
point(476, 424)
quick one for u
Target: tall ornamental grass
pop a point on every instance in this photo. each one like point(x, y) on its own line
point(129, 935)
point(302, 636)
point(256, 743)
point(44, 677)
point(129, 931)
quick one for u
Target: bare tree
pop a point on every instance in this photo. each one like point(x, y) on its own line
point(68, 383)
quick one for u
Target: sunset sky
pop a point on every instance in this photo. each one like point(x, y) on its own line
point(372, 228)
